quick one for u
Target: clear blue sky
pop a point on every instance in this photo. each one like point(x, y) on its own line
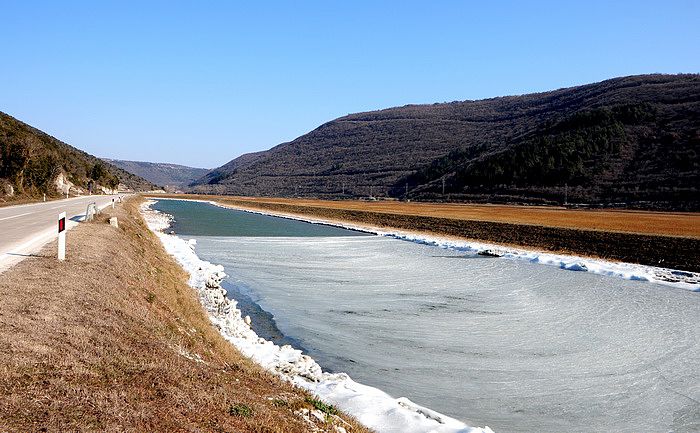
point(199, 83)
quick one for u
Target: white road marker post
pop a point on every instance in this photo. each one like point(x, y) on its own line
point(112, 203)
point(62, 236)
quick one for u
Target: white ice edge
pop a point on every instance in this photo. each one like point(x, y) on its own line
point(371, 406)
point(629, 271)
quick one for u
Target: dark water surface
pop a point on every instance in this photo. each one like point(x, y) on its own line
point(205, 219)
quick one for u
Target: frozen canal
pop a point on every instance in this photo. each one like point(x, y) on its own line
point(519, 347)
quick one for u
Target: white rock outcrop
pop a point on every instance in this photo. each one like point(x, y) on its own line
point(8, 190)
point(63, 185)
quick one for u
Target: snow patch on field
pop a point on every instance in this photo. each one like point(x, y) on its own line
point(371, 406)
point(629, 271)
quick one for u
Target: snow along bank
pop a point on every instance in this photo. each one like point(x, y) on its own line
point(371, 406)
point(629, 271)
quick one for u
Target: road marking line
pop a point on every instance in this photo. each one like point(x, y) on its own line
point(15, 216)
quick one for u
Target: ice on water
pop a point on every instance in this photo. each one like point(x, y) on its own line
point(508, 343)
point(371, 406)
point(518, 346)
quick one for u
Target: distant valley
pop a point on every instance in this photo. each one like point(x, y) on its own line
point(171, 176)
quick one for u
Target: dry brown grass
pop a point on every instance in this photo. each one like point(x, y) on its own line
point(685, 224)
point(98, 343)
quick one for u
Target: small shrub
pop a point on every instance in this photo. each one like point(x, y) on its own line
point(240, 410)
point(280, 403)
point(150, 297)
point(323, 407)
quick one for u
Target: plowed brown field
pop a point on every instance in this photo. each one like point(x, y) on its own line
point(683, 224)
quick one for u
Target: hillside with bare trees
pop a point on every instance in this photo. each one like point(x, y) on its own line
point(33, 163)
point(628, 142)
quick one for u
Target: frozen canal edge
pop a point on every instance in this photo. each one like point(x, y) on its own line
point(371, 406)
point(629, 271)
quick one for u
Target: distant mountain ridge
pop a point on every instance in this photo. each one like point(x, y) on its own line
point(633, 140)
point(33, 163)
point(170, 176)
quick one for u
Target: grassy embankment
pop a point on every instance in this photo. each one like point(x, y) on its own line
point(113, 339)
point(669, 239)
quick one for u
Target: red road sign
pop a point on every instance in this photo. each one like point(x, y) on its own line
point(61, 224)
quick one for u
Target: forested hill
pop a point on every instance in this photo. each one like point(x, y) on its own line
point(33, 163)
point(630, 141)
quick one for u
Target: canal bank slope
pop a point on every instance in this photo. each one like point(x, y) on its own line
point(670, 240)
point(114, 338)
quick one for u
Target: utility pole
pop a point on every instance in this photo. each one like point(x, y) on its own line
point(566, 194)
point(343, 188)
point(443, 187)
point(406, 189)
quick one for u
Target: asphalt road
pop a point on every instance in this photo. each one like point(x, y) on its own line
point(24, 229)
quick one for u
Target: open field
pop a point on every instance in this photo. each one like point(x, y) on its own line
point(114, 339)
point(650, 238)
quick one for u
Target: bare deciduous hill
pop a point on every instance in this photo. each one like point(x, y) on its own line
point(632, 140)
point(31, 160)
